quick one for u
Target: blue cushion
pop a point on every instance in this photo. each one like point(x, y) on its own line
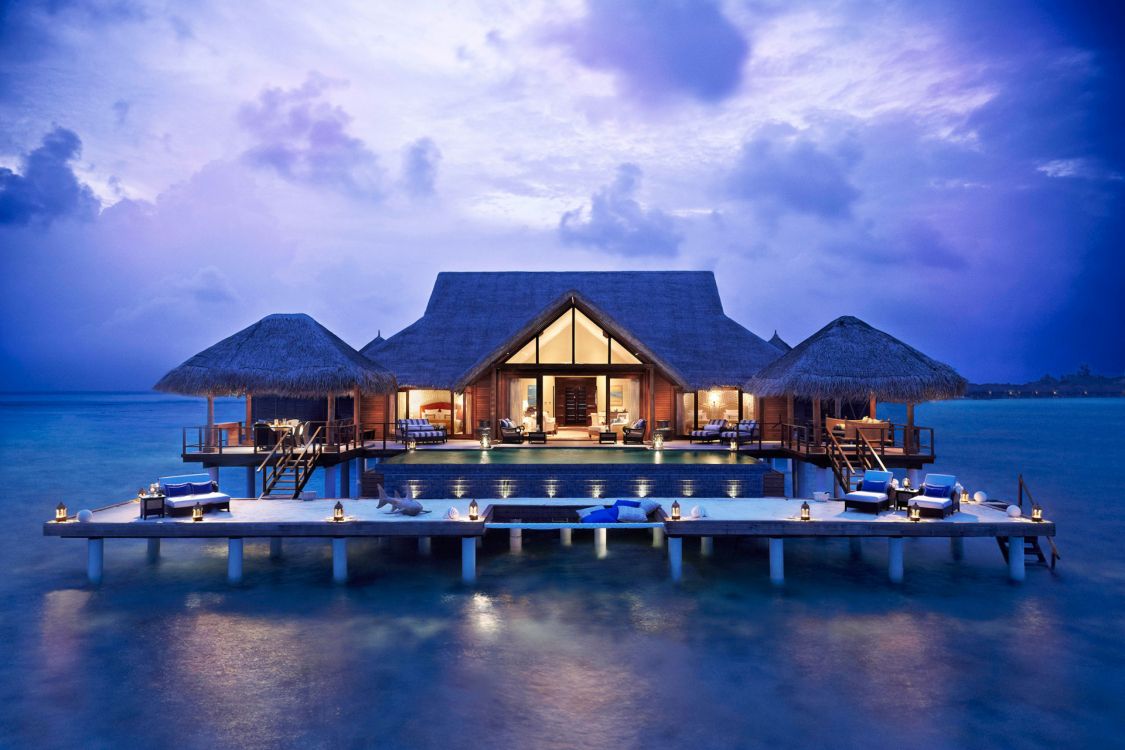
point(178, 490)
point(200, 488)
point(630, 503)
point(870, 485)
point(935, 490)
point(605, 515)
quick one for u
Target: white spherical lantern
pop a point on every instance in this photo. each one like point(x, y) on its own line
point(1014, 511)
point(452, 514)
point(980, 496)
point(698, 511)
point(85, 515)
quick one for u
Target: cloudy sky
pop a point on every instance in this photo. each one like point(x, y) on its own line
point(169, 172)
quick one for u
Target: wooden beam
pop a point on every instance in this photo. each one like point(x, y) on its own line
point(908, 438)
point(871, 407)
point(816, 422)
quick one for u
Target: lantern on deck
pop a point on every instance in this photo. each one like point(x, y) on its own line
point(1036, 513)
point(338, 512)
point(60, 512)
point(675, 510)
point(411, 444)
point(485, 442)
point(806, 511)
point(906, 482)
point(733, 445)
point(658, 441)
point(964, 495)
point(197, 512)
point(915, 513)
point(474, 510)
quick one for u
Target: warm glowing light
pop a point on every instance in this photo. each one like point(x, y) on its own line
point(915, 513)
point(60, 513)
point(197, 512)
point(964, 495)
point(1036, 513)
point(474, 510)
point(643, 487)
point(734, 486)
point(411, 444)
point(485, 443)
point(675, 510)
point(733, 445)
point(658, 441)
point(714, 397)
point(338, 512)
point(806, 511)
point(596, 489)
point(687, 487)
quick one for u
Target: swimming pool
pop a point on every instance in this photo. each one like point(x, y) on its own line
point(575, 472)
point(585, 456)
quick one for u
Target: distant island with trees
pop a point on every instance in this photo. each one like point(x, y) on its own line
point(1082, 383)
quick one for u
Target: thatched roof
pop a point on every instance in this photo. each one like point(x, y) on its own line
point(673, 318)
point(779, 342)
point(849, 359)
point(281, 355)
point(374, 342)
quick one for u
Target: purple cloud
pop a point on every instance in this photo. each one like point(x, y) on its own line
point(616, 222)
point(662, 47)
point(420, 167)
point(47, 189)
point(304, 138)
point(789, 173)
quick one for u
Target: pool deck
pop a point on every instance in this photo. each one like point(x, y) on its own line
point(775, 518)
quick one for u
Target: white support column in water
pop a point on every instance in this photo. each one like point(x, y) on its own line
point(957, 547)
point(777, 561)
point(234, 560)
point(153, 553)
point(676, 557)
point(360, 467)
point(345, 478)
point(275, 547)
point(915, 477)
point(855, 547)
point(658, 536)
point(566, 537)
point(1016, 558)
point(894, 559)
point(601, 542)
point(95, 552)
point(706, 546)
point(330, 474)
point(469, 559)
point(340, 560)
point(515, 540)
point(213, 472)
point(425, 547)
point(251, 481)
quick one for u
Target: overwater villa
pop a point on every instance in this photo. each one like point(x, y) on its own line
point(518, 398)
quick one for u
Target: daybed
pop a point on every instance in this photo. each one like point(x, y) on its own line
point(711, 432)
point(939, 497)
point(744, 431)
point(419, 430)
point(184, 492)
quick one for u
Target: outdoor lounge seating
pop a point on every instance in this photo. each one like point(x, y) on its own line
point(938, 498)
point(873, 495)
point(184, 492)
point(744, 431)
point(634, 434)
point(420, 431)
point(510, 432)
point(711, 432)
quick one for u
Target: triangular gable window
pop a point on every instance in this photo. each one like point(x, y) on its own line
point(573, 339)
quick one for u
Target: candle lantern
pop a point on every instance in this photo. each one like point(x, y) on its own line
point(411, 444)
point(338, 512)
point(1036, 513)
point(806, 511)
point(485, 442)
point(60, 512)
point(658, 441)
point(964, 495)
point(197, 512)
point(474, 510)
point(675, 510)
point(915, 513)
point(906, 482)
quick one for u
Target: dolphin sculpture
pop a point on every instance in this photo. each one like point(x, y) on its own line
point(405, 505)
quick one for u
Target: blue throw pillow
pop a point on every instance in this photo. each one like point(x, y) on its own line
point(629, 503)
point(873, 485)
point(177, 490)
point(200, 488)
point(605, 515)
point(935, 490)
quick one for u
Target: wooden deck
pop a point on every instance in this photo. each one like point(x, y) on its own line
point(774, 518)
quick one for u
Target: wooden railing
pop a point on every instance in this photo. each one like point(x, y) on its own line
point(261, 437)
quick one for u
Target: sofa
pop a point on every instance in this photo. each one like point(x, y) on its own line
point(711, 432)
point(420, 431)
point(185, 491)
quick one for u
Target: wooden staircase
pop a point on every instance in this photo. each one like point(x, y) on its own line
point(289, 466)
point(1031, 546)
point(849, 460)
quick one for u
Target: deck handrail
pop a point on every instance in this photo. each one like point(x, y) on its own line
point(280, 442)
point(863, 441)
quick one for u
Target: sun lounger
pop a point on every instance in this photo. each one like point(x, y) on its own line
point(711, 432)
point(873, 495)
point(938, 498)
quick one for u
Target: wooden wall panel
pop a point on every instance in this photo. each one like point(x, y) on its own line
point(665, 401)
point(772, 412)
point(482, 400)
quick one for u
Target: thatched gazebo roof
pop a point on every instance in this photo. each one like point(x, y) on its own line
point(280, 355)
point(779, 342)
point(848, 359)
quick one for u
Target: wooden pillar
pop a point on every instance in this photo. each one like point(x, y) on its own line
point(329, 432)
point(539, 402)
point(357, 406)
point(908, 438)
point(790, 408)
point(494, 396)
point(248, 432)
point(816, 422)
point(871, 406)
point(209, 440)
point(650, 423)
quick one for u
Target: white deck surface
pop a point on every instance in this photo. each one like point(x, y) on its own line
point(717, 509)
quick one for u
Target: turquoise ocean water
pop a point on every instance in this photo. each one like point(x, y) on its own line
point(555, 648)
